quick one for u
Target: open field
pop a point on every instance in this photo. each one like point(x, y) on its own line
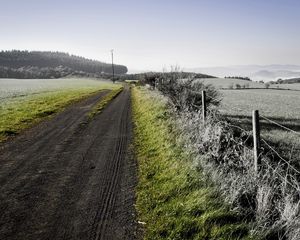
point(281, 106)
point(12, 88)
point(227, 82)
point(292, 86)
point(26, 102)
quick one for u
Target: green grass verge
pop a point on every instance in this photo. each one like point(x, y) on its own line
point(24, 112)
point(173, 199)
point(104, 101)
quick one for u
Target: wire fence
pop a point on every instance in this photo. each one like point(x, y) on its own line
point(289, 167)
point(279, 125)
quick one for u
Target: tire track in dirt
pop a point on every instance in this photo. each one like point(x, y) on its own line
point(64, 125)
point(72, 188)
point(100, 225)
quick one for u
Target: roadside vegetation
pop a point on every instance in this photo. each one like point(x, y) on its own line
point(175, 200)
point(222, 151)
point(22, 108)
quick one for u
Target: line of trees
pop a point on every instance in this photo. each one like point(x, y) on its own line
point(239, 77)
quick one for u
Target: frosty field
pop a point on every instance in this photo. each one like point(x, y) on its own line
point(12, 88)
point(26, 102)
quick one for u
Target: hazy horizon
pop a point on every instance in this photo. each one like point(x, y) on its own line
point(152, 35)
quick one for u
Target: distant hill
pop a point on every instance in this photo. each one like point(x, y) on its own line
point(36, 64)
point(255, 72)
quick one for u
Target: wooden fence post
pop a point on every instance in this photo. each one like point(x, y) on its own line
point(256, 140)
point(204, 106)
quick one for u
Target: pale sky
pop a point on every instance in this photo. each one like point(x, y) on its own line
point(153, 34)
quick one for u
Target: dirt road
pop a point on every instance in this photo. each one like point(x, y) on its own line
point(68, 178)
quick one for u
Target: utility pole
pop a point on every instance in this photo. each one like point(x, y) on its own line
point(112, 64)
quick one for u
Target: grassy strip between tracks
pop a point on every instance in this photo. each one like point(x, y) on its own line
point(104, 101)
point(25, 112)
point(174, 201)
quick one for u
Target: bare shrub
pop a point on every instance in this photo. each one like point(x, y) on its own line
point(184, 91)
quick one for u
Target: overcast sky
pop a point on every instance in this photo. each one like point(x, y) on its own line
point(152, 34)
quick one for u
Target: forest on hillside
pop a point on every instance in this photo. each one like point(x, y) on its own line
point(36, 64)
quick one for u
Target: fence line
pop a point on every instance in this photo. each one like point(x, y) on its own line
point(255, 133)
point(278, 124)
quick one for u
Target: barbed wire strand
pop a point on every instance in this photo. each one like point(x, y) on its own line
point(278, 124)
point(280, 156)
